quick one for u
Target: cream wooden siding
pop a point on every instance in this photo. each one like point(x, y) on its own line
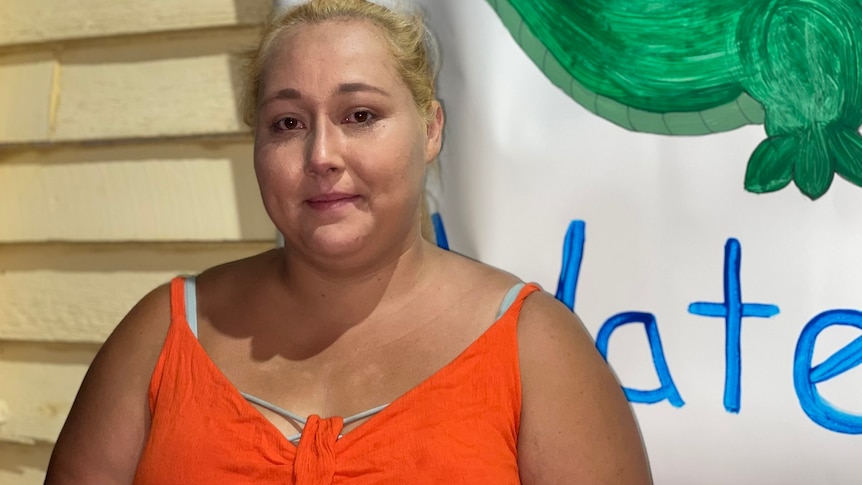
point(33, 21)
point(123, 162)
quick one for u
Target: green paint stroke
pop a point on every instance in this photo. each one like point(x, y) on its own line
point(692, 67)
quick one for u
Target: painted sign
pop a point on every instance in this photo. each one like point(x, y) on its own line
point(732, 318)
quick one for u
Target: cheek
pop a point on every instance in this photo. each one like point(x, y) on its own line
point(265, 173)
point(274, 176)
point(410, 164)
point(261, 162)
point(389, 173)
point(265, 170)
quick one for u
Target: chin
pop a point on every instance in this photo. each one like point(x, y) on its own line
point(336, 242)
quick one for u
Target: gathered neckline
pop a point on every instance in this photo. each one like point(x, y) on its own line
point(281, 440)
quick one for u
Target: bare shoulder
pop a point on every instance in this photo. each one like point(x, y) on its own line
point(576, 425)
point(108, 424)
point(471, 273)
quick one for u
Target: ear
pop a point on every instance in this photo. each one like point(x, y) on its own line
point(434, 133)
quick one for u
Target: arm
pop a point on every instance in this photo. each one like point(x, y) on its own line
point(108, 424)
point(576, 425)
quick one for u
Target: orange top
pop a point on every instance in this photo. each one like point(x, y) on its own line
point(458, 426)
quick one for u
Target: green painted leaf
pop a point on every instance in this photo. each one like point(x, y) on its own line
point(813, 171)
point(848, 156)
point(770, 167)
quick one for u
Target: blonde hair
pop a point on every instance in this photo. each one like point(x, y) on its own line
point(408, 40)
point(407, 37)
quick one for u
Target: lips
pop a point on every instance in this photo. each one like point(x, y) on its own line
point(331, 200)
point(331, 197)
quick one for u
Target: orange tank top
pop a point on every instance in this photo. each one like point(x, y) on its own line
point(459, 426)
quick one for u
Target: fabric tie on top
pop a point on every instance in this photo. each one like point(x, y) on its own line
point(315, 455)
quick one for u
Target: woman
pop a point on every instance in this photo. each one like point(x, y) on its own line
point(426, 367)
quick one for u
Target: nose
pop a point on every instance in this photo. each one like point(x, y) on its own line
point(323, 153)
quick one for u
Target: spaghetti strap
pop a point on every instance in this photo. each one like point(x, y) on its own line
point(510, 298)
point(191, 303)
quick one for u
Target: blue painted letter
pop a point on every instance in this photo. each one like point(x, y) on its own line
point(733, 311)
point(573, 253)
point(805, 377)
point(667, 389)
point(439, 231)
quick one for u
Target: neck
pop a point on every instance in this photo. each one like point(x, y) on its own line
point(347, 294)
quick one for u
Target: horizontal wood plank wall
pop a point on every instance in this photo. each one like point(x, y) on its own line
point(170, 85)
point(29, 21)
point(123, 162)
point(26, 96)
point(57, 293)
point(152, 192)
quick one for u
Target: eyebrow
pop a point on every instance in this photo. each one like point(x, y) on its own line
point(358, 88)
point(344, 88)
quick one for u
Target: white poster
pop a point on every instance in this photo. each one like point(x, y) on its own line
point(716, 303)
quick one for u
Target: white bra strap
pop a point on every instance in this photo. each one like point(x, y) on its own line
point(191, 302)
point(510, 298)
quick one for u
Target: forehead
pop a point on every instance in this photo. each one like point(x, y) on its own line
point(333, 51)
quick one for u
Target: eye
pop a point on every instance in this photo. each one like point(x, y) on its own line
point(288, 124)
point(362, 116)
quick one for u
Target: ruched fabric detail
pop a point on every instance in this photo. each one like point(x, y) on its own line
point(315, 455)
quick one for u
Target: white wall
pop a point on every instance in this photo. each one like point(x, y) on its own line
point(521, 160)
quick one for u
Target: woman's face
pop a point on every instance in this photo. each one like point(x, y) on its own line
point(340, 147)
